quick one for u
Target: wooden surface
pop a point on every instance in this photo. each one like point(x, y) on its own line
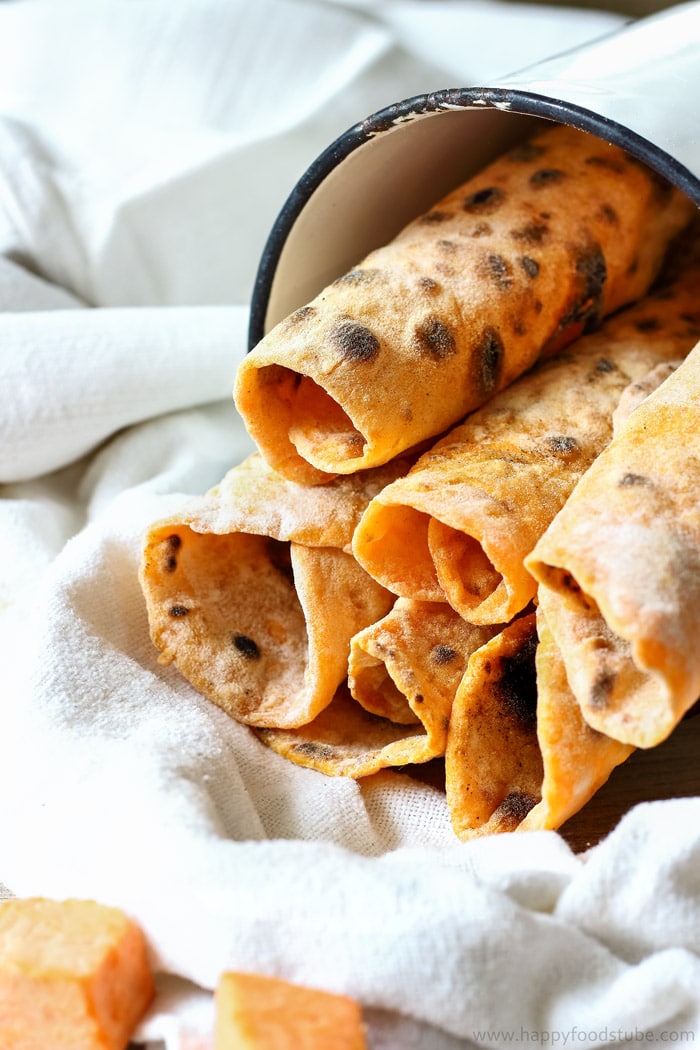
point(670, 770)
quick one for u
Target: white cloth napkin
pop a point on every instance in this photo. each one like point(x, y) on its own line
point(145, 150)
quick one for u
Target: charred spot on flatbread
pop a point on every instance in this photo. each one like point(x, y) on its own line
point(355, 341)
point(434, 338)
point(172, 546)
point(360, 276)
point(562, 444)
point(484, 202)
point(608, 214)
point(488, 360)
point(178, 610)
point(513, 809)
point(604, 365)
point(496, 268)
point(433, 218)
point(247, 647)
point(301, 316)
point(546, 177)
point(516, 683)
point(606, 162)
point(526, 152)
point(529, 265)
point(631, 480)
point(532, 233)
point(443, 654)
point(648, 324)
point(601, 689)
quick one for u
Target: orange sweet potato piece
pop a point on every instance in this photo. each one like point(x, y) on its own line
point(74, 975)
point(254, 1012)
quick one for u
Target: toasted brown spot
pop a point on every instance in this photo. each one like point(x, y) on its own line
point(546, 177)
point(629, 480)
point(592, 271)
point(488, 360)
point(433, 217)
point(354, 341)
point(515, 807)
point(314, 749)
point(443, 654)
point(434, 338)
point(648, 324)
point(601, 689)
point(527, 151)
point(531, 233)
point(517, 684)
point(428, 284)
point(178, 610)
point(608, 163)
point(530, 266)
point(482, 229)
point(603, 365)
point(418, 698)
point(609, 215)
point(562, 443)
point(172, 545)
point(358, 277)
point(499, 269)
point(246, 646)
point(484, 201)
point(301, 315)
point(447, 246)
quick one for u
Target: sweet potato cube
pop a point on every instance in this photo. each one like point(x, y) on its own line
point(254, 1012)
point(74, 975)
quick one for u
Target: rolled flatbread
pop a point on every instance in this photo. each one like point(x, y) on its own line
point(403, 673)
point(577, 759)
point(459, 525)
point(493, 765)
point(619, 570)
point(512, 265)
point(407, 666)
point(254, 595)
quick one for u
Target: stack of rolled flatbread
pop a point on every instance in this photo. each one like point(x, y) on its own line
point(470, 530)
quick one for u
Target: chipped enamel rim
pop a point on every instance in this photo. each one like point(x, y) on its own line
point(404, 114)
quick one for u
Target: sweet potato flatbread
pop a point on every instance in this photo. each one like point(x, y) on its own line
point(577, 759)
point(493, 765)
point(517, 262)
point(403, 673)
point(407, 666)
point(345, 740)
point(459, 525)
point(258, 622)
point(619, 570)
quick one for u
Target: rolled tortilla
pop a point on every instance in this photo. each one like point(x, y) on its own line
point(577, 759)
point(493, 765)
point(252, 592)
point(403, 673)
point(459, 525)
point(514, 264)
point(619, 570)
point(407, 666)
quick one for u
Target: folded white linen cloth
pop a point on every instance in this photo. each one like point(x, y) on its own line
point(137, 183)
